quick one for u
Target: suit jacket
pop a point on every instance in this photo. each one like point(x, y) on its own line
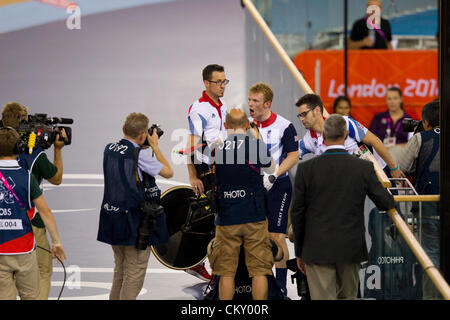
point(327, 211)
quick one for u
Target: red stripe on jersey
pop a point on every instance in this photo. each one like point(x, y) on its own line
point(206, 98)
point(313, 133)
point(267, 122)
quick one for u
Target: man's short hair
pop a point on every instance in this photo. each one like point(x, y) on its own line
point(311, 100)
point(265, 89)
point(430, 112)
point(209, 69)
point(13, 113)
point(8, 140)
point(335, 127)
point(135, 124)
point(234, 122)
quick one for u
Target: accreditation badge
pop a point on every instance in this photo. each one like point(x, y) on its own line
point(389, 141)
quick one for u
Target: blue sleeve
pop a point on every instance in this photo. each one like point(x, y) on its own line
point(148, 163)
point(302, 148)
point(197, 123)
point(289, 139)
point(356, 130)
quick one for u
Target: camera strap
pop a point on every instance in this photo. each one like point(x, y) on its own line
point(144, 183)
point(136, 172)
point(2, 177)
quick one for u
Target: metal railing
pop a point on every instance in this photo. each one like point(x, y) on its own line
point(415, 246)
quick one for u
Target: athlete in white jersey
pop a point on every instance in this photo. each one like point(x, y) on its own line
point(206, 118)
point(281, 139)
point(310, 113)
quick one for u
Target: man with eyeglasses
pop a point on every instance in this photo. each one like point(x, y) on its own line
point(280, 137)
point(311, 114)
point(206, 127)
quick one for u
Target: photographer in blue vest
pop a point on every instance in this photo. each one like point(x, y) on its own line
point(131, 217)
point(19, 193)
point(242, 212)
point(41, 168)
point(420, 158)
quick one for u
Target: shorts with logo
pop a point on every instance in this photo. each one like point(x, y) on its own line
point(278, 202)
point(254, 236)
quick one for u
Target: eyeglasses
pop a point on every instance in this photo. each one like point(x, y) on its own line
point(220, 82)
point(303, 114)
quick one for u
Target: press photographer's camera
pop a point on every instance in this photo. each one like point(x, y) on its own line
point(410, 125)
point(300, 279)
point(150, 211)
point(159, 132)
point(41, 131)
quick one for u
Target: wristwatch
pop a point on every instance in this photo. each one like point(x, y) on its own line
point(272, 178)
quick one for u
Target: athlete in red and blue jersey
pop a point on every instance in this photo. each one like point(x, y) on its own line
point(281, 139)
point(310, 113)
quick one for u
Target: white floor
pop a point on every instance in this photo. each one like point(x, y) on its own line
point(161, 283)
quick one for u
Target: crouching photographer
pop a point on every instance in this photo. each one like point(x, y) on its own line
point(131, 218)
point(32, 157)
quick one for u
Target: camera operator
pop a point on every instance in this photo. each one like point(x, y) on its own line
point(420, 159)
point(242, 213)
point(19, 193)
point(40, 166)
point(131, 218)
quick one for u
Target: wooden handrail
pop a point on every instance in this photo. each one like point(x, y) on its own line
point(277, 46)
point(420, 254)
point(419, 198)
point(279, 49)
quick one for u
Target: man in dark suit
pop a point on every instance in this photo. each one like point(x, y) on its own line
point(328, 215)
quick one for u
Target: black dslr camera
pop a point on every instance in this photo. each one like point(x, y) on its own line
point(41, 131)
point(159, 132)
point(150, 211)
point(300, 279)
point(410, 125)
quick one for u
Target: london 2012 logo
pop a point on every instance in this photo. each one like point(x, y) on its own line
point(5, 195)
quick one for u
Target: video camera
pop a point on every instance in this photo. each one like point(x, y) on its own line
point(40, 131)
point(410, 125)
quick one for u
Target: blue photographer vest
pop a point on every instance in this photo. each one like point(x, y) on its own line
point(16, 234)
point(241, 193)
point(428, 162)
point(119, 214)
